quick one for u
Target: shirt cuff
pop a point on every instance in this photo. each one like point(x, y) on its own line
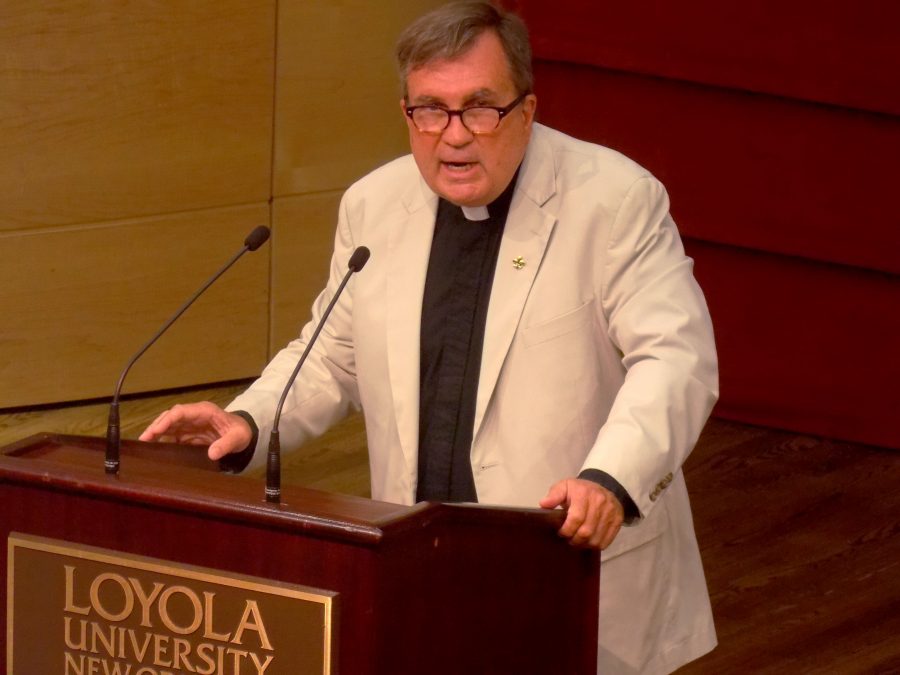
point(603, 479)
point(238, 461)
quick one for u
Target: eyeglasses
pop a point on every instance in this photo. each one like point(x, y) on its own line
point(481, 119)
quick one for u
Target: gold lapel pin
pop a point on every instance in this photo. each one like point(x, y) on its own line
point(518, 262)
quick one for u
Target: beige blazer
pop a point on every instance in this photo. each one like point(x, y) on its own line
point(598, 353)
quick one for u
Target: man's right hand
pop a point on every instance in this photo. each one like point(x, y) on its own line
point(201, 424)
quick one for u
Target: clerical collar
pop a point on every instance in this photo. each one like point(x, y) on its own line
point(498, 209)
point(475, 212)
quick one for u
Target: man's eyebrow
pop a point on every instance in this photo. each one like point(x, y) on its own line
point(479, 96)
point(427, 100)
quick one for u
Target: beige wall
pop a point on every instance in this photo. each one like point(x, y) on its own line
point(140, 142)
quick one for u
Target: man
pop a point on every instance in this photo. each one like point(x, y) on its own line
point(527, 332)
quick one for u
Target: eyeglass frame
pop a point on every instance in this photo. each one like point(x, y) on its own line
point(502, 111)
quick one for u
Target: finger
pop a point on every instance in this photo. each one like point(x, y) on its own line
point(575, 518)
point(606, 536)
point(232, 440)
point(172, 421)
point(218, 450)
point(590, 527)
point(555, 496)
point(177, 422)
point(198, 438)
point(610, 519)
point(156, 428)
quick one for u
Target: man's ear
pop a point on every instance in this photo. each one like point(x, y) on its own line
point(406, 118)
point(529, 106)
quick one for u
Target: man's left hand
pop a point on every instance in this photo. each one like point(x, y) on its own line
point(594, 514)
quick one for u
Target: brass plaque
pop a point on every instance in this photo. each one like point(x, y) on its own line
point(80, 610)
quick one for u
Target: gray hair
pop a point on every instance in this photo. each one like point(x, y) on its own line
point(451, 30)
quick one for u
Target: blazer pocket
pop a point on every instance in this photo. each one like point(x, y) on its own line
point(563, 324)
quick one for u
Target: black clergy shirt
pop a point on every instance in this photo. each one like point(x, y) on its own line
point(454, 311)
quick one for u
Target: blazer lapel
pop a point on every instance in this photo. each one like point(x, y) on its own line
point(409, 243)
point(525, 237)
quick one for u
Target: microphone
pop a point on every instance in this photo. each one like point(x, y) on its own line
point(273, 460)
point(254, 240)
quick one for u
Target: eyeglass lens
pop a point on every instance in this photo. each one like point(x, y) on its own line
point(475, 119)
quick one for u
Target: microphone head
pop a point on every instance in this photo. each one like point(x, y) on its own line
point(359, 259)
point(257, 238)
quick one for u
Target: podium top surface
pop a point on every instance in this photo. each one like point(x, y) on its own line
point(180, 477)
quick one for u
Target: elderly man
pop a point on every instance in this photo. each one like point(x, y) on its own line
point(528, 332)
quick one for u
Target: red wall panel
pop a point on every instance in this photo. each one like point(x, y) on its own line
point(743, 169)
point(776, 128)
point(839, 52)
point(803, 345)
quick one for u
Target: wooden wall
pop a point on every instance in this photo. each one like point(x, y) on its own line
point(337, 116)
point(140, 142)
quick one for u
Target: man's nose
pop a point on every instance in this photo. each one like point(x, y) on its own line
point(456, 133)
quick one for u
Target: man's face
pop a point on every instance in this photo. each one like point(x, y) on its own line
point(464, 168)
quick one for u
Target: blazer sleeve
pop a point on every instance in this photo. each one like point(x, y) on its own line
point(657, 318)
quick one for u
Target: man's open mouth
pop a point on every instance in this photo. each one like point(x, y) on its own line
point(458, 166)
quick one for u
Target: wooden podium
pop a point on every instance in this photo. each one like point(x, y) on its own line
point(431, 588)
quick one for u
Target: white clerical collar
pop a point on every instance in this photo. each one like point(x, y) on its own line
point(475, 212)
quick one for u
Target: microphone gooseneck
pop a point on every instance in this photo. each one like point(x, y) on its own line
point(273, 460)
point(111, 464)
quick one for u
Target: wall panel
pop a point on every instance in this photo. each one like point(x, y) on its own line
point(337, 112)
point(95, 294)
point(775, 174)
point(135, 155)
point(838, 52)
point(303, 230)
point(803, 345)
point(115, 110)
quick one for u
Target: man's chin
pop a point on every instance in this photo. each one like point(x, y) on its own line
point(464, 195)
